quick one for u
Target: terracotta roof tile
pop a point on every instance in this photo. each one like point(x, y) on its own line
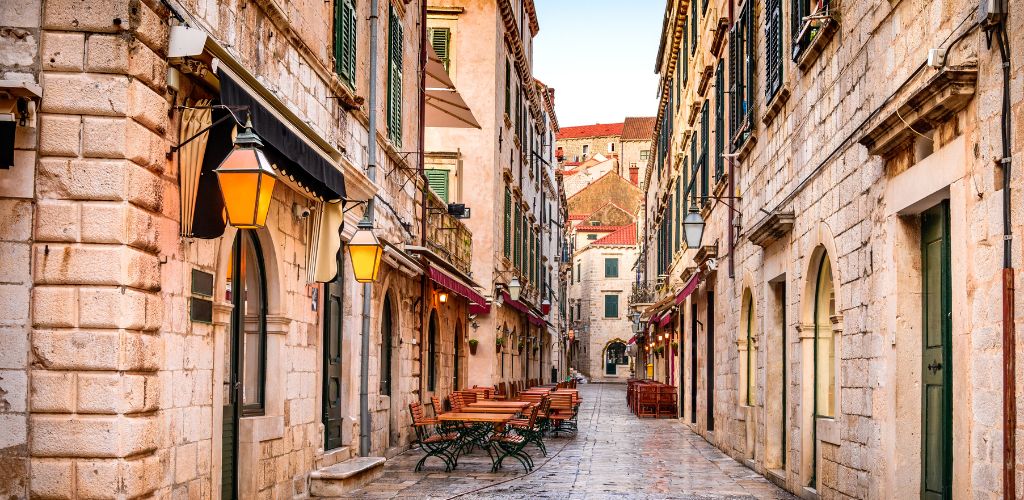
point(578, 216)
point(586, 228)
point(638, 128)
point(596, 130)
point(625, 236)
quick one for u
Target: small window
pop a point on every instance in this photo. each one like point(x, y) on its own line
point(611, 306)
point(645, 154)
point(586, 150)
point(591, 237)
point(611, 267)
point(611, 147)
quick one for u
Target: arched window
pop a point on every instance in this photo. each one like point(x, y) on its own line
point(615, 355)
point(824, 343)
point(248, 294)
point(432, 352)
point(386, 327)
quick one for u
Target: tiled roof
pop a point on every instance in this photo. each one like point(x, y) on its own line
point(586, 228)
point(625, 235)
point(578, 216)
point(596, 130)
point(638, 128)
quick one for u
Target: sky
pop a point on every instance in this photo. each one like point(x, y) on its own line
point(599, 57)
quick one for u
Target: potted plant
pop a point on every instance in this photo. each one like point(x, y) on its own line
point(472, 346)
point(521, 345)
point(498, 342)
point(675, 346)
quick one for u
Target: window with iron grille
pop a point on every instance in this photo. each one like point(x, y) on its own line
point(719, 121)
point(345, 40)
point(741, 77)
point(773, 48)
point(394, 91)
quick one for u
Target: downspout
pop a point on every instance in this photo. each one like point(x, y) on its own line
point(1009, 335)
point(732, 220)
point(426, 187)
point(371, 173)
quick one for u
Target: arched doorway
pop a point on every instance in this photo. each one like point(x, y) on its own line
point(432, 352)
point(615, 356)
point(390, 368)
point(245, 363)
point(457, 357)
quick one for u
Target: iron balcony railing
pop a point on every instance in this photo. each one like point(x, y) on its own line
point(644, 292)
point(447, 236)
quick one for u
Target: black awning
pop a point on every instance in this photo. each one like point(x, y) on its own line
point(288, 150)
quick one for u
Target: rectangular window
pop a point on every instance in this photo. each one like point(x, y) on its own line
point(345, 40)
point(695, 20)
point(694, 167)
point(586, 149)
point(517, 237)
point(437, 179)
point(508, 88)
point(591, 236)
point(611, 267)
point(508, 224)
point(645, 154)
point(773, 48)
point(394, 90)
point(741, 78)
point(579, 271)
point(684, 63)
point(675, 204)
point(704, 132)
point(611, 306)
point(441, 41)
point(719, 121)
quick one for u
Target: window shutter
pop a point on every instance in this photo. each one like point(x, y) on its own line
point(438, 181)
point(695, 20)
point(508, 224)
point(345, 40)
point(611, 267)
point(704, 152)
point(719, 121)
point(339, 36)
point(394, 90)
point(773, 48)
point(611, 306)
point(440, 39)
point(734, 78)
point(676, 205)
point(749, 49)
point(694, 166)
point(518, 237)
point(685, 62)
point(508, 88)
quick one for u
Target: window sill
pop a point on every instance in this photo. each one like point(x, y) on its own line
point(745, 148)
point(776, 105)
point(806, 56)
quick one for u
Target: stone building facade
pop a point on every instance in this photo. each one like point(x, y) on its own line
point(149, 348)
point(508, 182)
point(580, 143)
point(839, 326)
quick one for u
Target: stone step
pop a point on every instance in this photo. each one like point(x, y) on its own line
point(343, 477)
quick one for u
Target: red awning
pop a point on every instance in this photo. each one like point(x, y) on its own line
point(515, 304)
point(666, 319)
point(535, 320)
point(479, 308)
point(689, 288)
point(456, 286)
point(632, 340)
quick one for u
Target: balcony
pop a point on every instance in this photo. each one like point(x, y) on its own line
point(447, 236)
point(644, 292)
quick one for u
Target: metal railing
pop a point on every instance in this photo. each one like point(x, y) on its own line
point(644, 292)
point(447, 236)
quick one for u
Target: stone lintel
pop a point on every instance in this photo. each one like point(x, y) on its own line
point(771, 228)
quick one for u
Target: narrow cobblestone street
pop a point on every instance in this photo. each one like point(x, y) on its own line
point(615, 455)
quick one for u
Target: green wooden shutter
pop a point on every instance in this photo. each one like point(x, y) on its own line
point(438, 181)
point(518, 237)
point(508, 224)
point(773, 48)
point(440, 39)
point(704, 132)
point(719, 121)
point(685, 62)
point(695, 20)
point(749, 49)
point(345, 40)
point(508, 88)
point(394, 91)
point(611, 306)
point(734, 85)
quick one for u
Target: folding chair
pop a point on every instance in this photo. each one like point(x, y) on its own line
point(433, 443)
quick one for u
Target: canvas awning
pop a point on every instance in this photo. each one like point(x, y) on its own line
point(456, 286)
point(689, 288)
point(444, 106)
point(666, 319)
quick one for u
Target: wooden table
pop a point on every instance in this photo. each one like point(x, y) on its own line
point(492, 409)
point(511, 405)
point(475, 417)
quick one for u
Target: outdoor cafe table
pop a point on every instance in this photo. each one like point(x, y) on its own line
point(480, 424)
point(512, 406)
point(475, 417)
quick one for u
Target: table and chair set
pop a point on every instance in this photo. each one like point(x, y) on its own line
point(501, 420)
point(649, 398)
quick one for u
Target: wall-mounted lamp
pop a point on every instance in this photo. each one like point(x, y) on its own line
point(246, 181)
point(442, 297)
point(365, 251)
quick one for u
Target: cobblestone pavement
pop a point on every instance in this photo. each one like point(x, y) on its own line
point(615, 455)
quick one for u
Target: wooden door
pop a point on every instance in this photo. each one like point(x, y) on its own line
point(332, 390)
point(709, 360)
point(936, 359)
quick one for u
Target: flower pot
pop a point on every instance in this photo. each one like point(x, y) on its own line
point(472, 348)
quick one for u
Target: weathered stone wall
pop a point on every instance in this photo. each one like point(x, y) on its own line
point(591, 290)
point(609, 188)
point(572, 149)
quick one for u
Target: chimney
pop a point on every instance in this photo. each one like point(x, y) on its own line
point(634, 175)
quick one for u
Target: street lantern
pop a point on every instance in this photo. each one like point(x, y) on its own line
point(693, 228)
point(365, 251)
point(442, 297)
point(545, 307)
point(246, 181)
point(514, 288)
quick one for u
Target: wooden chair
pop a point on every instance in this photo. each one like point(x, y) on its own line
point(468, 397)
point(457, 402)
point(562, 413)
point(435, 444)
point(647, 401)
point(667, 402)
point(534, 433)
point(512, 442)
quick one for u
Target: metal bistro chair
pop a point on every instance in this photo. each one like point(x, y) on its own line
point(433, 443)
point(534, 433)
point(511, 443)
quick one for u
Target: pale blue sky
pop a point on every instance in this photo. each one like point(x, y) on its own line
point(599, 56)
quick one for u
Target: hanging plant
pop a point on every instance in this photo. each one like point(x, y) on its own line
point(521, 345)
point(472, 346)
point(498, 342)
point(675, 346)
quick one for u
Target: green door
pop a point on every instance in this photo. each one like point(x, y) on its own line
point(332, 393)
point(936, 359)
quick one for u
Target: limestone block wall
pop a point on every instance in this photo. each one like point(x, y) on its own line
point(573, 148)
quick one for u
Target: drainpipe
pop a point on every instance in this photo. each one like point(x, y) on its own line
point(426, 187)
point(732, 217)
point(1009, 335)
point(371, 173)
